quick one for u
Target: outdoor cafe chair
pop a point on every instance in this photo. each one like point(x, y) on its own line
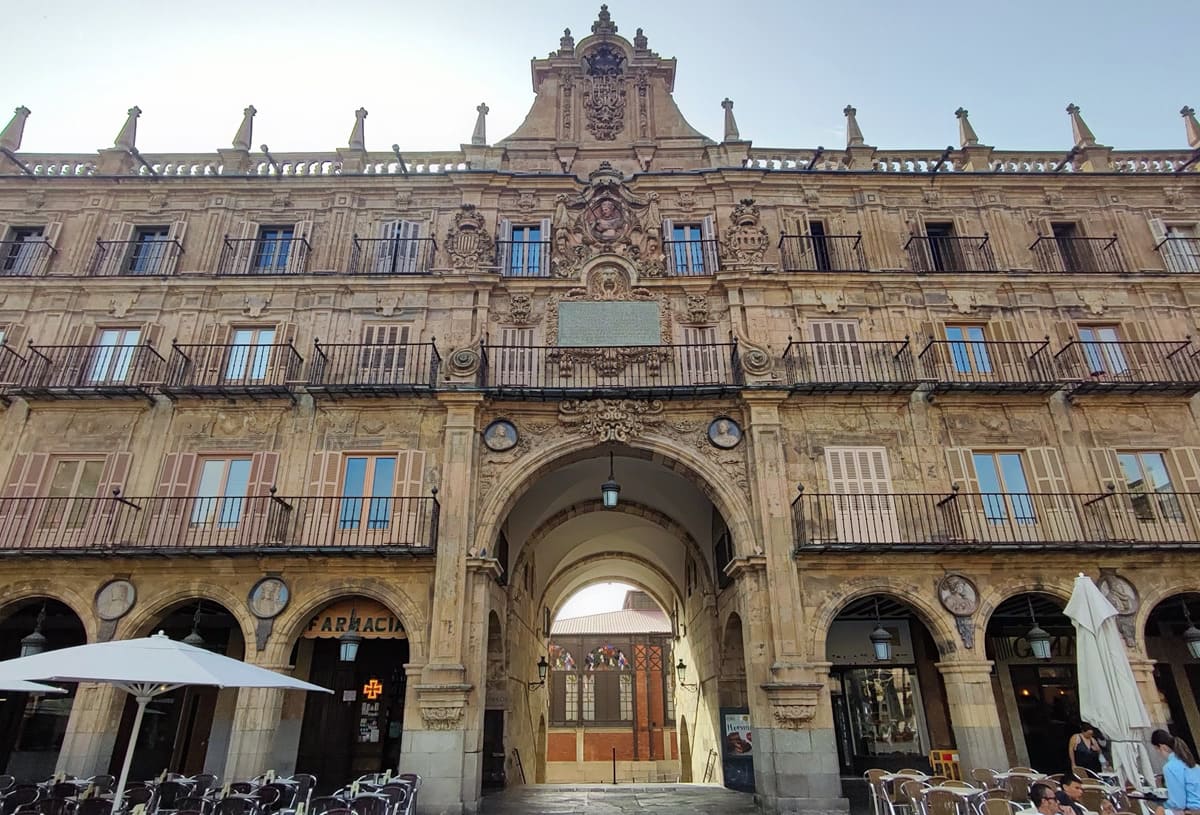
point(167, 794)
point(241, 788)
point(398, 794)
point(910, 795)
point(17, 797)
point(998, 806)
point(7, 782)
point(940, 802)
point(1018, 788)
point(411, 777)
point(94, 806)
point(137, 795)
point(985, 777)
point(371, 804)
point(202, 783)
point(237, 805)
point(325, 804)
point(193, 803)
point(102, 783)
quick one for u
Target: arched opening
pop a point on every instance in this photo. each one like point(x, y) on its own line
point(1038, 697)
point(1176, 671)
point(186, 730)
point(539, 775)
point(889, 703)
point(32, 726)
point(737, 744)
point(685, 752)
point(494, 774)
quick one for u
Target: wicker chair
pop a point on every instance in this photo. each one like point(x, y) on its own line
point(909, 795)
point(997, 806)
point(985, 777)
point(1018, 788)
point(940, 802)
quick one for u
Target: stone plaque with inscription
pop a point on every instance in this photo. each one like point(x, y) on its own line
point(583, 324)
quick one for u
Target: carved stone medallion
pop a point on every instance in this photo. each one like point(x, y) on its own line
point(268, 598)
point(958, 595)
point(1120, 592)
point(114, 599)
point(500, 436)
point(724, 433)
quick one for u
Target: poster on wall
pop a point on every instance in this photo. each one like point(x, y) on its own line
point(739, 741)
point(737, 749)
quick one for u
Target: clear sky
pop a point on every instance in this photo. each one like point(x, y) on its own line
point(421, 68)
point(594, 600)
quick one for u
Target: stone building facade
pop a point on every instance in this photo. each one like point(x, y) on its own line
point(233, 382)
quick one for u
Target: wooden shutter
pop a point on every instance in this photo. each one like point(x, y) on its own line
point(543, 249)
point(174, 258)
point(701, 365)
point(385, 254)
point(101, 526)
point(504, 236)
point(324, 488)
point(245, 249)
point(20, 505)
point(384, 357)
point(176, 475)
point(414, 508)
point(173, 499)
point(1108, 469)
point(858, 470)
point(962, 469)
point(1052, 509)
point(668, 237)
point(259, 508)
point(864, 509)
point(836, 355)
point(1158, 230)
point(115, 473)
point(1048, 473)
point(1186, 461)
point(264, 467)
point(116, 255)
point(285, 361)
point(708, 232)
point(297, 261)
point(51, 233)
point(514, 364)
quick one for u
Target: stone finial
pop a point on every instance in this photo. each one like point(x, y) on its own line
point(731, 128)
point(1188, 114)
point(127, 138)
point(966, 133)
point(854, 136)
point(1079, 129)
point(566, 43)
point(245, 132)
point(10, 137)
point(604, 24)
point(639, 41)
point(479, 135)
point(358, 136)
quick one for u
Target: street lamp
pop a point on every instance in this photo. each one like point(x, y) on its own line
point(881, 638)
point(681, 673)
point(1039, 640)
point(610, 489)
point(35, 643)
point(1191, 634)
point(542, 667)
point(348, 643)
point(194, 639)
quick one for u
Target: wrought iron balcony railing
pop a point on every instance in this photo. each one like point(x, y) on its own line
point(143, 258)
point(28, 258)
point(219, 523)
point(264, 256)
point(850, 367)
point(822, 253)
point(523, 258)
point(11, 366)
point(392, 256)
point(1180, 255)
point(643, 371)
point(691, 258)
point(229, 371)
point(962, 520)
point(1096, 366)
point(346, 369)
point(83, 371)
point(936, 253)
point(1078, 255)
point(989, 366)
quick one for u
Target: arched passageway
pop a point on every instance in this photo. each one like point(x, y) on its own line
point(1176, 670)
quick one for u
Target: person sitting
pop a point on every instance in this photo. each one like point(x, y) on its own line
point(1180, 774)
point(1070, 794)
point(1044, 801)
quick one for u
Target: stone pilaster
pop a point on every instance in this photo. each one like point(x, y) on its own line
point(91, 730)
point(1143, 672)
point(973, 713)
point(255, 721)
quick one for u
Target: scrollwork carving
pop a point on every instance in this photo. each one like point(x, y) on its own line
point(463, 362)
point(611, 419)
point(468, 243)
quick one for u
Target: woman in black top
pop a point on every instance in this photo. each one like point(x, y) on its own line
point(1084, 749)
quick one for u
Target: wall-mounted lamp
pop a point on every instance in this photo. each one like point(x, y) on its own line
point(1039, 640)
point(681, 674)
point(881, 638)
point(542, 667)
point(610, 490)
point(1191, 634)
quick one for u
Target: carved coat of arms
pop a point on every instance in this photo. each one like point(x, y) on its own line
point(604, 99)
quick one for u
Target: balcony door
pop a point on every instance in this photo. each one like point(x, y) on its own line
point(220, 493)
point(148, 250)
point(701, 356)
point(863, 505)
point(968, 350)
point(380, 501)
point(248, 358)
point(515, 359)
point(383, 358)
point(70, 495)
point(1152, 494)
point(1102, 350)
point(23, 251)
point(400, 252)
point(113, 355)
point(1004, 489)
point(837, 356)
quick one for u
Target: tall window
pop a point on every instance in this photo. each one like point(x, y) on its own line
point(149, 248)
point(367, 487)
point(1182, 247)
point(221, 492)
point(943, 248)
point(525, 252)
point(1005, 490)
point(249, 354)
point(113, 355)
point(820, 246)
point(968, 349)
point(21, 250)
point(384, 353)
point(1072, 249)
point(72, 483)
point(571, 697)
point(687, 248)
point(1151, 492)
point(1102, 349)
point(272, 248)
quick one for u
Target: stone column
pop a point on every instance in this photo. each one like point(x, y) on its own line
point(91, 730)
point(252, 737)
point(1143, 672)
point(973, 714)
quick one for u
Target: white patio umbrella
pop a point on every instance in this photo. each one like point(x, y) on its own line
point(145, 668)
point(1108, 693)
point(21, 686)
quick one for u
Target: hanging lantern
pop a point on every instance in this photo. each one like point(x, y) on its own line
point(610, 490)
point(1191, 635)
point(1039, 639)
point(881, 638)
point(35, 642)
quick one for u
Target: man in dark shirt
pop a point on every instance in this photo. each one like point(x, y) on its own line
point(1070, 795)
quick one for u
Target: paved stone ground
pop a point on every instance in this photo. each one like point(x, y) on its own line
point(623, 799)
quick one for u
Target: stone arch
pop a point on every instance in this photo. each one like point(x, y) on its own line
point(13, 593)
point(935, 619)
point(290, 625)
point(992, 596)
point(685, 751)
point(705, 475)
point(150, 610)
point(1152, 600)
point(539, 771)
point(732, 670)
point(566, 575)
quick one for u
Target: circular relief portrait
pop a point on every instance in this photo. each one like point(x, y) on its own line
point(268, 598)
point(114, 599)
point(500, 435)
point(958, 595)
point(606, 220)
point(724, 433)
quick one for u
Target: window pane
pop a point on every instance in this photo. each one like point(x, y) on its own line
point(626, 696)
point(1132, 471)
point(994, 507)
point(236, 484)
point(1156, 472)
point(64, 478)
point(262, 354)
point(382, 480)
point(352, 488)
point(1016, 486)
point(589, 698)
point(207, 490)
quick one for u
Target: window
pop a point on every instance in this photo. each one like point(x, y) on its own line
point(401, 249)
point(72, 483)
point(113, 355)
point(820, 246)
point(588, 697)
point(525, 252)
point(368, 483)
point(968, 349)
point(571, 698)
point(702, 364)
point(943, 248)
point(384, 353)
point(1181, 247)
point(150, 244)
point(836, 352)
point(1072, 249)
point(221, 492)
point(861, 483)
point(1005, 492)
point(272, 248)
point(1102, 349)
point(687, 249)
point(22, 250)
point(669, 693)
point(1152, 494)
point(515, 362)
point(625, 685)
point(249, 354)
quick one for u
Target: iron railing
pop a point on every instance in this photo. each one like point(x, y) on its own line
point(523, 258)
point(850, 366)
point(1127, 367)
point(691, 258)
point(1180, 255)
point(586, 372)
point(988, 365)
point(12, 365)
point(392, 256)
point(27, 258)
point(1078, 255)
point(151, 258)
point(79, 371)
point(220, 523)
point(822, 253)
point(938, 253)
point(957, 519)
point(264, 256)
point(253, 371)
point(372, 370)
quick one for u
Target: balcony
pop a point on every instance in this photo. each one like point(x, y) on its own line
point(850, 367)
point(691, 258)
point(1098, 366)
point(637, 371)
point(263, 256)
point(1078, 255)
point(89, 372)
point(27, 258)
point(144, 258)
point(254, 372)
point(196, 525)
point(988, 366)
point(938, 253)
point(960, 521)
point(372, 370)
point(11, 366)
point(523, 258)
point(822, 253)
point(1180, 255)
point(392, 256)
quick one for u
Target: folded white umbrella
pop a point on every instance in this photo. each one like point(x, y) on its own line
point(145, 668)
point(21, 686)
point(1108, 692)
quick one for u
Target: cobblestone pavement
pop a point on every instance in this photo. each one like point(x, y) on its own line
point(625, 799)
